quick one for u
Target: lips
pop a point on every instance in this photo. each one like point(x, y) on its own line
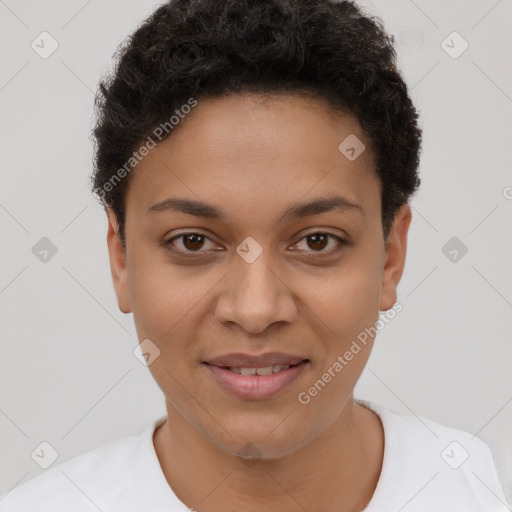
point(241, 360)
point(248, 377)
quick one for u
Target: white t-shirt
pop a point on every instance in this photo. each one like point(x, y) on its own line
point(427, 467)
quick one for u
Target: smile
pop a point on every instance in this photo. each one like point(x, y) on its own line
point(267, 370)
point(256, 383)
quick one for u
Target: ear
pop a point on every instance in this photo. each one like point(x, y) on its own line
point(396, 248)
point(117, 258)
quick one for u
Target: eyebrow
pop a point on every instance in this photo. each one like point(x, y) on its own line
point(296, 211)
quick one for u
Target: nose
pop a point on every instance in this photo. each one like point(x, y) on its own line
point(255, 296)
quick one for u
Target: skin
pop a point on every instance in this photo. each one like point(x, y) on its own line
point(252, 158)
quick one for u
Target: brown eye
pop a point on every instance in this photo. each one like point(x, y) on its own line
point(314, 244)
point(188, 243)
point(193, 241)
point(317, 241)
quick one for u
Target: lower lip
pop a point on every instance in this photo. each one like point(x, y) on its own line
point(255, 387)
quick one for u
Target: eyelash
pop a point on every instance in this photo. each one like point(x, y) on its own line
point(312, 255)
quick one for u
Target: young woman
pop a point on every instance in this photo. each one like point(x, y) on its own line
point(256, 160)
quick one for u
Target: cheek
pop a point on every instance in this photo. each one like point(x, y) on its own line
point(161, 292)
point(347, 298)
point(165, 306)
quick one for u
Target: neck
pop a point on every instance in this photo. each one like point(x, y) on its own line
point(337, 470)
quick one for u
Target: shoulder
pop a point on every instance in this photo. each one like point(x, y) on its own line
point(435, 467)
point(79, 484)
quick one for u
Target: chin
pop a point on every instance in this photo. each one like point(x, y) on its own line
point(260, 439)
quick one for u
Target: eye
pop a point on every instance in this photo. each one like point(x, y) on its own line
point(188, 242)
point(317, 242)
point(314, 244)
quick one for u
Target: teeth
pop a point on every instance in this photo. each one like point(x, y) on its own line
point(260, 371)
point(264, 371)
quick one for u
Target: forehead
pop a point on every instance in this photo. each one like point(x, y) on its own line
point(245, 150)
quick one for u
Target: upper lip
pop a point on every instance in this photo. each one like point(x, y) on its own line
point(240, 360)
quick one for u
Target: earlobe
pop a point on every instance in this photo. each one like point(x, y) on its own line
point(396, 249)
point(117, 258)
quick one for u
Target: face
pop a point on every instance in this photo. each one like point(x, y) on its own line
point(273, 256)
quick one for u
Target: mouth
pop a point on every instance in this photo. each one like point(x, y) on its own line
point(255, 378)
point(266, 370)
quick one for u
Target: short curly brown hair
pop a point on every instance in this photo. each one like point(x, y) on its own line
point(204, 48)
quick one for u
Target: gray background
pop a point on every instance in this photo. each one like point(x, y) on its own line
point(68, 374)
